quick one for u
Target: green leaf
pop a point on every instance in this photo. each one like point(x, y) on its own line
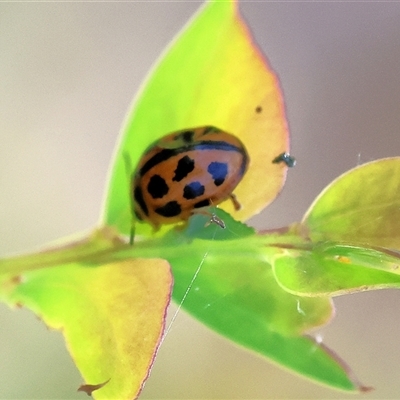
point(228, 284)
point(201, 226)
point(362, 207)
point(112, 317)
point(223, 278)
point(212, 74)
point(332, 269)
point(236, 294)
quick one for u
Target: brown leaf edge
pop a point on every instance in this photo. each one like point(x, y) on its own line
point(361, 388)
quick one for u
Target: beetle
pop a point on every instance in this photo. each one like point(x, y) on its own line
point(185, 171)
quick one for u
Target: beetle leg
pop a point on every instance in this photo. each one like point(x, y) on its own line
point(132, 234)
point(235, 202)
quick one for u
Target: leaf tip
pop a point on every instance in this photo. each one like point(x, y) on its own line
point(366, 389)
point(89, 389)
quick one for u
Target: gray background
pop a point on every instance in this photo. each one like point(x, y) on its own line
point(68, 73)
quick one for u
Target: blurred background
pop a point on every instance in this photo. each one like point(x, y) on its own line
point(68, 73)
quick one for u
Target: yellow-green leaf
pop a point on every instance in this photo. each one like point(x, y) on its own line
point(361, 206)
point(112, 317)
point(213, 74)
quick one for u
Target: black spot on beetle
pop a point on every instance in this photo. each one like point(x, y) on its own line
point(157, 187)
point(258, 109)
point(171, 209)
point(218, 171)
point(167, 154)
point(185, 166)
point(193, 190)
point(186, 136)
point(202, 203)
point(138, 195)
point(210, 129)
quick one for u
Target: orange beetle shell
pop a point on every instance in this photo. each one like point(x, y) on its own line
point(187, 170)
